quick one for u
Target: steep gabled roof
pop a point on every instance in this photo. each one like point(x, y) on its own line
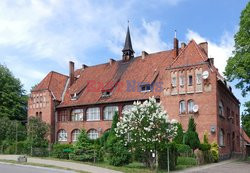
point(54, 82)
point(191, 54)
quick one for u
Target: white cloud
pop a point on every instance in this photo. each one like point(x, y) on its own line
point(219, 51)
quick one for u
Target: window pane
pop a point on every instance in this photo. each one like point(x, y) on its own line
point(93, 114)
point(77, 115)
point(198, 78)
point(109, 112)
point(190, 80)
point(182, 107)
point(62, 135)
point(190, 106)
point(75, 134)
point(93, 134)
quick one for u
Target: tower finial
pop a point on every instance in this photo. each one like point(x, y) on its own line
point(175, 33)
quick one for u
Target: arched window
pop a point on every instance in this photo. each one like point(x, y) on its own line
point(93, 134)
point(190, 106)
point(77, 115)
point(93, 114)
point(109, 112)
point(182, 107)
point(221, 137)
point(221, 108)
point(62, 135)
point(75, 134)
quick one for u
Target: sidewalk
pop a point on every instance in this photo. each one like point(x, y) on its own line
point(204, 168)
point(62, 164)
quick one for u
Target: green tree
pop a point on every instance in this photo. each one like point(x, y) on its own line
point(179, 137)
point(246, 119)
point(238, 66)
point(118, 153)
point(13, 101)
point(37, 133)
point(191, 137)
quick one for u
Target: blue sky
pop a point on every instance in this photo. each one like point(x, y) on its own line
point(37, 36)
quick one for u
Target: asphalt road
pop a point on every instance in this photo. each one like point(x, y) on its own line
point(11, 168)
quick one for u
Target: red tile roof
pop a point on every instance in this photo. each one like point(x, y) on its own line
point(55, 82)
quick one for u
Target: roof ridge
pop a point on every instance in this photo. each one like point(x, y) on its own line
point(58, 73)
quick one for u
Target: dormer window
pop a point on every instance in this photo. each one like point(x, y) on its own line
point(146, 88)
point(74, 96)
point(106, 93)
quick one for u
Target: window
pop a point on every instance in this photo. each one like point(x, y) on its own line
point(221, 108)
point(93, 134)
point(232, 114)
point(146, 88)
point(93, 114)
point(106, 93)
point(62, 135)
point(109, 112)
point(77, 115)
point(198, 79)
point(40, 115)
point(190, 80)
point(182, 107)
point(221, 137)
point(127, 108)
point(63, 116)
point(190, 106)
point(182, 81)
point(75, 134)
point(173, 81)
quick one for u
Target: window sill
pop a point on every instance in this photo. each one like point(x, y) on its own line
point(92, 120)
point(222, 146)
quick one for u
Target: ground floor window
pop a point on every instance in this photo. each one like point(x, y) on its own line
point(93, 134)
point(62, 135)
point(221, 137)
point(75, 134)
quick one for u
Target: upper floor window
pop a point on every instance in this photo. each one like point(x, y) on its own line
point(109, 112)
point(93, 134)
point(75, 134)
point(62, 135)
point(232, 114)
point(221, 137)
point(182, 81)
point(182, 107)
point(127, 108)
point(198, 79)
point(174, 82)
point(93, 114)
point(190, 80)
point(190, 106)
point(63, 116)
point(221, 108)
point(77, 115)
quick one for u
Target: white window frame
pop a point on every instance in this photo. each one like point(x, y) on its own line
point(221, 137)
point(109, 112)
point(174, 81)
point(182, 107)
point(75, 134)
point(190, 106)
point(93, 134)
point(198, 79)
point(77, 115)
point(182, 81)
point(62, 135)
point(93, 114)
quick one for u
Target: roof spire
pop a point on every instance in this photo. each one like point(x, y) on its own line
point(128, 51)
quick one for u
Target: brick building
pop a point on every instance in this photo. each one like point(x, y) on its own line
point(184, 79)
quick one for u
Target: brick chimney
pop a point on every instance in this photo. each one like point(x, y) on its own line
point(71, 73)
point(204, 46)
point(176, 47)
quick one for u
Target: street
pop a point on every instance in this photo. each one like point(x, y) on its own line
point(11, 168)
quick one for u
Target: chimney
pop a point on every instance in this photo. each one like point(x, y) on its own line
point(111, 61)
point(204, 46)
point(84, 66)
point(144, 54)
point(71, 73)
point(176, 47)
point(183, 45)
point(211, 60)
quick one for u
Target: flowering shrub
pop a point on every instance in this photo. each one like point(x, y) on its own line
point(146, 127)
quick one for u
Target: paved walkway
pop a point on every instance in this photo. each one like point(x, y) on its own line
point(228, 166)
point(62, 164)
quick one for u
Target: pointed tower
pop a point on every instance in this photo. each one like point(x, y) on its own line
point(128, 52)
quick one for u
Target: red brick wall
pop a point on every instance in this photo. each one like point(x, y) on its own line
point(41, 101)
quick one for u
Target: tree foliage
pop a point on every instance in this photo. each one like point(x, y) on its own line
point(179, 137)
point(238, 66)
point(146, 127)
point(191, 137)
point(13, 101)
point(246, 119)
